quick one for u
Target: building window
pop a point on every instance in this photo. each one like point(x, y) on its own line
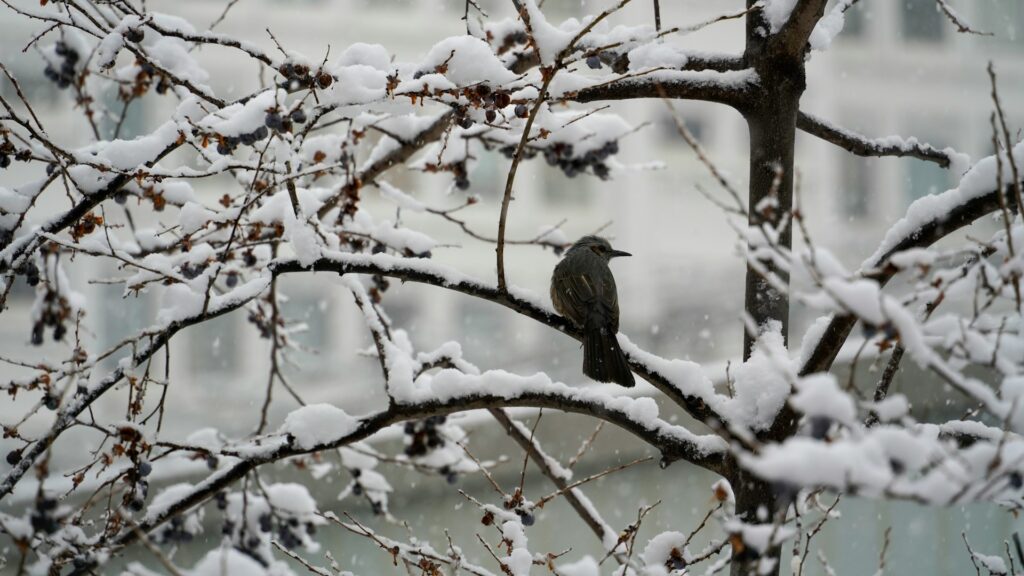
point(925, 178)
point(312, 312)
point(922, 21)
point(214, 345)
point(855, 187)
point(1003, 18)
point(854, 22)
point(562, 189)
point(670, 132)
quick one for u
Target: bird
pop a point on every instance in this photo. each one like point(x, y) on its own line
point(583, 290)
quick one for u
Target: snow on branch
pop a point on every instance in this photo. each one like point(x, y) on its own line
point(473, 392)
point(889, 146)
point(729, 87)
point(928, 220)
point(681, 381)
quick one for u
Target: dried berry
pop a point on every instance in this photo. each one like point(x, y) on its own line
point(134, 35)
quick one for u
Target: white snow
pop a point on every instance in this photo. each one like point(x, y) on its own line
point(776, 13)
point(317, 425)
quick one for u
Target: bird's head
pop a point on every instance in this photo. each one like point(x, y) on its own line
point(599, 246)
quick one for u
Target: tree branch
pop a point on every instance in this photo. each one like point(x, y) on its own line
point(426, 272)
point(733, 87)
point(673, 447)
point(864, 146)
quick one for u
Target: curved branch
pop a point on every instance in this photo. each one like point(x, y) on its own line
point(926, 234)
point(793, 37)
point(405, 151)
point(86, 396)
point(28, 243)
point(733, 87)
point(659, 434)
point(864, 146)
point(426, 272)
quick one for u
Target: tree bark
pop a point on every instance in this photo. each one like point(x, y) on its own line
point(771, 115)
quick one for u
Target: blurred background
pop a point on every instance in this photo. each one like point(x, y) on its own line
point(899, 67)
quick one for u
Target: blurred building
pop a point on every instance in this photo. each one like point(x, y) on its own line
point(899, 67)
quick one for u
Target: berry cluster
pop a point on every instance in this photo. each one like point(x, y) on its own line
point(422, 436)
point(358, 490)
point(174, 532)
point(227, 144)
point(298, 76)
point(279, 122)
point(55, 312)
point(65, 75)
point(7, 149)
point(461, 175)
point(192, 271)
point(561, 155)
point(44, 517)
point(491, 101)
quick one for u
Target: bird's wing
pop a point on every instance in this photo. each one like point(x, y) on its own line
point(582, 291)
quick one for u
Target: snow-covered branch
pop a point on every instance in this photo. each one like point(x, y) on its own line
point(889, 146)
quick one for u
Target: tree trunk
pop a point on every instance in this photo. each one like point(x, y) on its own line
point(756, 503)
point(771, 120)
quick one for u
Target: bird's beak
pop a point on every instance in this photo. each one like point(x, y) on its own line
point(617, 253)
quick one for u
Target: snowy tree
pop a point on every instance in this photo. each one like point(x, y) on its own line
point(785, 434)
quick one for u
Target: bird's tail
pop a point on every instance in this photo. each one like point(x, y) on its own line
point(603, 359)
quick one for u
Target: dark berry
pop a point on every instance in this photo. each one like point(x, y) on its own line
point(37, 334)
point(526, 518)
point(357, 489)
point(491, 115)
point(265, 523)
point(134, 35)
point(136, 504)
point(462, 183)
point(121, 197)
point(502, 99)
point(231, 280)
point(145, 468)
point(323, 80)
point(298, 116)
point(522, 111)
point(50, 169)
point(211, 461)
point(466, 122)
point(1016, 480)
point(51, 402)
point(5, 160)
point(223, 149)
point(819, 427)
point(594, 62)
point(274, 121)
point(13, 457)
